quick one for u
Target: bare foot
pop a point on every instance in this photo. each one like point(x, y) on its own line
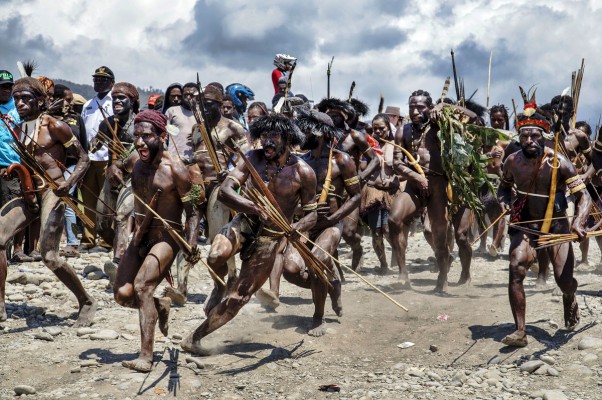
point(86, 314)
point(403, 282)
point(267, 298)
point(516, 339)
point(441, 285)
point(492, 250)
point(139, 364)
point(357, 259)
point(163, 307)
point(541, 283)
point(213, 300)
point(464, 279)
point(383, 270)
point(178, 298)
point(318, 328)
point(192, 347)
point(583, 266)
point(571, 311)
point(335, 298)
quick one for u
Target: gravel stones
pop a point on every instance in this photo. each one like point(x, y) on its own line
point(589, 342)
point(105, 334)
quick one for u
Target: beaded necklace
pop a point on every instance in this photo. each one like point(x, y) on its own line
point(265, 178)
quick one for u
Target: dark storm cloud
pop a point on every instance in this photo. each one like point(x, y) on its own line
point(212, 42)
point(356, 40)
point(19, 46)
point(472, 62)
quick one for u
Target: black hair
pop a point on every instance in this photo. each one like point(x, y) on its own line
point(229, 98)
point(476, 108)
point(564, 99)
point(277, 123)
point(587, 128)
point(59, 91)
point(500, 108)
point(420, 92)
point(360, 107)
point(315, 121)
point(336, 104)
point(189, 84)
point(258, 104)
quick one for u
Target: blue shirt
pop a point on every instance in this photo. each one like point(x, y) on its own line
point(8, 155)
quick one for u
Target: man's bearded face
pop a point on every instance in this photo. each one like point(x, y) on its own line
point(212, 109)
point(189, 95)
point(563, 108)
point(122, 104)
point(337, 118)
point(311, 141)
point(532, 142)
point(102, 84)
point(28, 105)
point(419, 110)
point(273, 144)
point(148, 143)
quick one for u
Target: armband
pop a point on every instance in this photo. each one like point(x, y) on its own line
point(587, 150)
point(235, 180)
point(575, 184)
point(310, 207)
point(352, 181)
point(70, 142)
point(597, 146)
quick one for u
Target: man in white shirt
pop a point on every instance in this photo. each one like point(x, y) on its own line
point(180, 144)
point(93, 181)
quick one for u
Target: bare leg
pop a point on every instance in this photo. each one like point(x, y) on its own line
point(253, 274)
point(403, 208)
point(437, 214)
point(138, 292)
point(14, 217)
point(223, 247)
point(353, 238)
point(563, 260)
point(584, 247)
point(378, 245)
point(52, 223)
point(543, 263)
point(462, 225)
point(521, 257)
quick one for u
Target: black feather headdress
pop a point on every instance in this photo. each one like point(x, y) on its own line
point(278, 123)
point(476, 108)
point(319, 124)
point(336, 104)
point(361, 108)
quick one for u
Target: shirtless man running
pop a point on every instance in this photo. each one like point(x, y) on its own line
point(48, 141)
point(530, 172)
point(291, 181)
point(162, 181)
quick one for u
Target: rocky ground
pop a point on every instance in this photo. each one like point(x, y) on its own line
point(445, 347)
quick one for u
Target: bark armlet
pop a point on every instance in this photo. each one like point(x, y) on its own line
point(575, 184)
point(352, 181)
point(70, 142)
point(310, 207)
point(598, 146)
point(235, 180)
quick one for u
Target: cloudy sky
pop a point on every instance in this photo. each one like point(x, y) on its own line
point(388, 47)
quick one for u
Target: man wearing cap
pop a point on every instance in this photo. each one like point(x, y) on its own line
point(47, 142)
point(115, 203)
point(160, 181)
point(9, 186)
point(93, 181)
point(529, 171)
point(223, 131)
point(182, 117)
point(394, 114)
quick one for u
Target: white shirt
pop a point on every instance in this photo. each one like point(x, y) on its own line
point(92, 118)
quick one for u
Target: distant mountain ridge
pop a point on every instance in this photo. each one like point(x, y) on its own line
point(88, 91)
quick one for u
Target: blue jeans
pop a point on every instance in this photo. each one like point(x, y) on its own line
point(70, 219)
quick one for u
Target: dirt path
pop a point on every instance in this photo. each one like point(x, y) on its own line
point(456, 351)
